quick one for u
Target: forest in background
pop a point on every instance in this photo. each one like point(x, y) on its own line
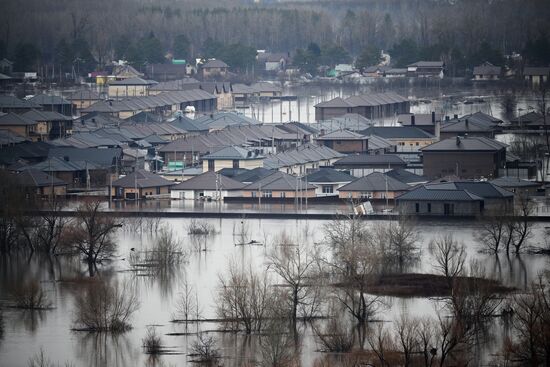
point(462, 33)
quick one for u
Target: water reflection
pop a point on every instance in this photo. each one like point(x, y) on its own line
point(106, 349)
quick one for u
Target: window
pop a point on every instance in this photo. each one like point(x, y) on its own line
point(327, 189)
point(367, 195)
point(235, 163)
point(417, 144)
point(283, 194)
point(267, 194)
point(417, 207)
point(429, 207)
point(211, 165)
point(253, 194)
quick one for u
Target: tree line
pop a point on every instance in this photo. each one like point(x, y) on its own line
point(85, 35)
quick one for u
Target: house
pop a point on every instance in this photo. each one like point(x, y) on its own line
point(6, 66)
point(345, 141)
point(375, 71)
point(42, 184)
point(25, 127)
point(517, 185)
point(131, 87)
point(77, 174)
point(373, 186)
point(494, 197)
point(428, 122)
point(405, 138)
point(232, 157)
point(360, 165)
point(243, 94)
point(223, 92)
point(371, 106)
point(165, 72)
point(53, 103)
point(272, 62)
point(536, 75)
point(396, 73)
point(465, 157)
point(16, 105)
point(328, 181)
point(487, 71)
point(349, 121)
point(122, 71)
point(83, 99)
point(422, 200)
point(139, 185)
point(279, 186)
point(107, 158)
point(266, 89)
point(58, 125)
point(529, 121)
point(209, 185)
point(477, 124)
point(248, 176)
point(426, 69)
point(214, 68)
point(302, 159)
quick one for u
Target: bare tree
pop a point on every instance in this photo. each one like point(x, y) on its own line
point(381, 343)
point(397, 243)
point(406, 331)
point(294, 264)
point(187, 306)
point(449, 256)
point(92, 233)
point(30, 295)
point(493, 234)
point(336, 336)
point(52, 230)
point(106, 307)
point(426, 340)
point(206, 350)
point(242, 299)
point(522, 225)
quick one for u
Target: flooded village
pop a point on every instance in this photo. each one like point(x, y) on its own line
point(274, 183)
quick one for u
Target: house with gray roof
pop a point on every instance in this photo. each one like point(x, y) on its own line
point(465, 157)
point(16, 105)
point(83, 98)
point(407, 139)
point(407, 177)
point(140, 184)
point(345, 141)
point(208, 185)
point(423, 121)
point(328, 181)
point(26, 127)
point(252, 175)
point(53, 103)
point(233, 157)
point(475, 124)
point(303, 159)
point(517, 185)
point(536, 75)
point(77, 174)
point(371, 106)
point(279, 186)
point(376, 185)
point(42, 184)
point(426, 69)
point(487, 71)
point(214, 69)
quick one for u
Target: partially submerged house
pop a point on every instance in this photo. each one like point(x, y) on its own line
point(376, 185)
point(426, 69)
point(487, 71)
point(233, 157)
point(42, 184)
point(209, 185)
point(140, 184)
point(371, 106)
point(360, 165)
point(214, 69)
point(279, 186)
point(328, 181)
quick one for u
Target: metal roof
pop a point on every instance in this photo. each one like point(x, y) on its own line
point(329, 175)
point(398, 132)
point(209, 181)
point(11, 119)
point(405, 176)
point(421, 193)
point(370, 159)
point(142, 179)
point(376, 181)
point(470, 143)
point(279, 181)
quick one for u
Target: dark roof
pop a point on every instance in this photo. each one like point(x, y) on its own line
point(374, 99)
point(132, 81)
point(8, 137)
point(234, 152)
point(11, 118)
point(514, 182)
point(44, 100)
point(528, 117)
point(232, 172)
point(466, 144)
point(141, 179)
point(483, 189)
point(487, 69)
point(375, 181)
point(25, 150)
point(279, 181)
point(144, 116)
point(13, 102)
point(42, 116)
point(326, 174)
point(405, 176)
point(207, 181)
point(84, 95)
point(397, 132)
point(466, 125)
point(420, 119)
point(536, 71)
point(422, 193)
point(253, 175)
point(215, 64)
point(427, 64)
point(370, 159)
point(105, 157)
point(36, 178)
point(55, 164)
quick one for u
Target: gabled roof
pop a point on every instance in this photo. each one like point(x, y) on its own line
point(329, 175)
point(132, 81)
point(335, 103)
point(527, 118)
point(370, 159)
point(536, 71)
point(13, 103)
point(487, 69)
point(422, 193)
point(465, 144)
point(142, 179)
point(234, 152)
point(405, 176)
point(420, 119)
point(427, 64)
point(375, 181)
point(215, 64)
point(209, 181)
point(267, 87)
point(36, 178)
point(397, 132)
point(8, 137)
point(44, 99)
point(55, 164)
point(42, 116)
point(279, 181)
point(252, 175)
point(466, 125)
point(106, 157)
point(482, 189)
point(11, 119)
point(144, 116)
point(342, 135)
point(514, 182)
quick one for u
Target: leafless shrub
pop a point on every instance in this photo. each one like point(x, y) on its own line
point(277, 346)
point(200, 228)
point(29, 295)
point(381, 343)
point(187, 306)
point(152, 342)
point(41, 360)
point(243, 298)
point(205, 350)
point(105, 307)
point(167, 250)
point(396, 242)
point(335, 337)
point(406, 334)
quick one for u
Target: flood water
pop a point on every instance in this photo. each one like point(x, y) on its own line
point(27, 332)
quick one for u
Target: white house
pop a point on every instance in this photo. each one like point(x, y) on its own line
point(328, 181)
point(209, 185)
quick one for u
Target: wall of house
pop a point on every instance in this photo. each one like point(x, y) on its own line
point(127, 90)
point(411, 145)
point(370, 195)
point(461, 208)
point(57, 190)
point(335, 187)
point(281, 194)
point(225, 101)
point(486, 134)
point(470, 164)
point(197, 194)
point(327, 113)
point(228, 163)
point(346, 146)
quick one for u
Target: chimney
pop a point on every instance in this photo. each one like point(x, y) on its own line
point(457, 140)
point(412, 120)
point(433, 117)
point(437, 130)
point(467, 124)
